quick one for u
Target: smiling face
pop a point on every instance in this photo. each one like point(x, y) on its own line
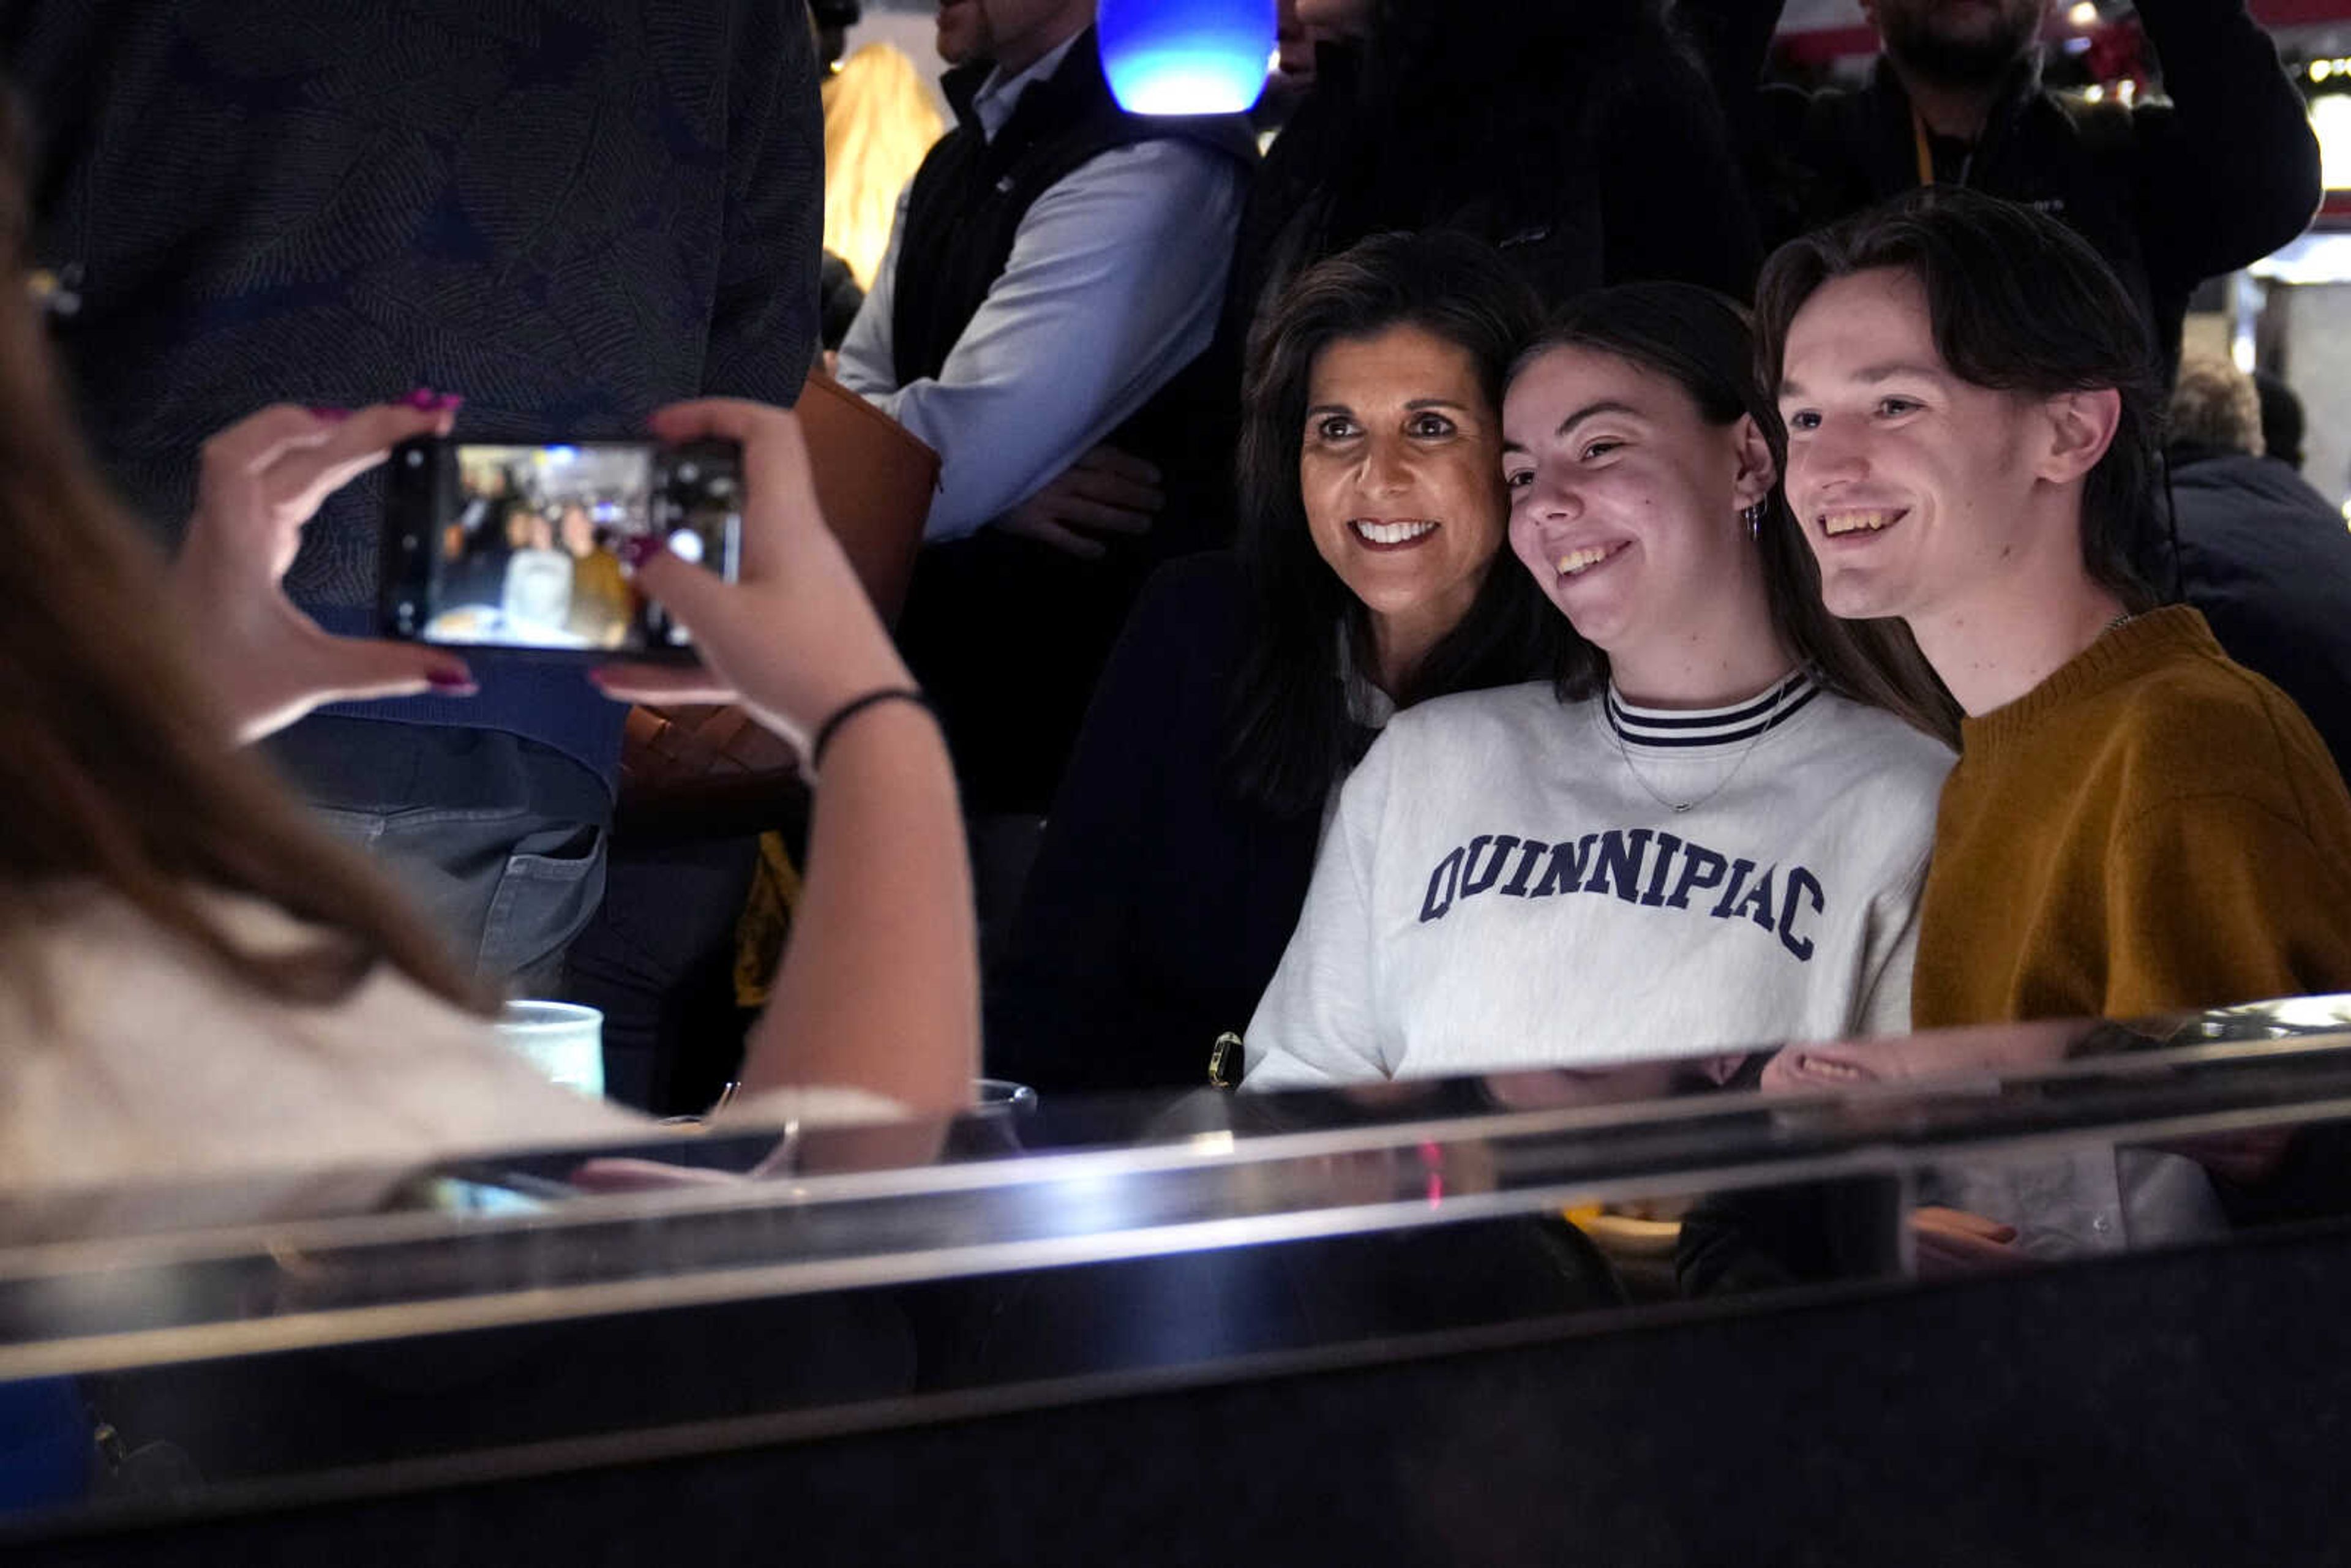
point(1913, 487)
point(1400, 470)
point(1625, 501)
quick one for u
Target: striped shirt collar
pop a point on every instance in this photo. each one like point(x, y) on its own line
point(1675, 728)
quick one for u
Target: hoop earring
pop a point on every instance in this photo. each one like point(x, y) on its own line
point(1754, 515)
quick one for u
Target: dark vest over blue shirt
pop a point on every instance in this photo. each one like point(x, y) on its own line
point(1006, 634)
point(971, 194)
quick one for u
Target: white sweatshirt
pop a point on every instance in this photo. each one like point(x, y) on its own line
point(1501, 889)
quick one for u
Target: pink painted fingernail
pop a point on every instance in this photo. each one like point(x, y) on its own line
point(424, 400)
point(329, 412)
point(448, 402)
point(450, 683)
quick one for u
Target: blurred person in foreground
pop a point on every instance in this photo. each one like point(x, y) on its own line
point(2136, 823)
point(1056, 265)
point(2261, 554)
point(202, 980)
point(571, 214)
point(2220, 171)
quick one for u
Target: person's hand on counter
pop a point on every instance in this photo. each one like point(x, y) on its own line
point(260, 481)
point(879, 987)
point(1952, 1244)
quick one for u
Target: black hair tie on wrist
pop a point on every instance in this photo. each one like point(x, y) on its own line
point(851, 708)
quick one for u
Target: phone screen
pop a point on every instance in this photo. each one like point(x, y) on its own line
point(517, 546)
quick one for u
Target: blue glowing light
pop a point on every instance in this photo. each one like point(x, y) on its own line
point(1185, 56)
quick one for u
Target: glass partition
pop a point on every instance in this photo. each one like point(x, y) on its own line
point(326, 1333)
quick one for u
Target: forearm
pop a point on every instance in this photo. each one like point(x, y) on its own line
point(879, 988)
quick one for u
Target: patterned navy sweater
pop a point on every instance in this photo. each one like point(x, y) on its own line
point(570, 211)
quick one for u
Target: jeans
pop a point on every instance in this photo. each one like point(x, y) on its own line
point(499, 840)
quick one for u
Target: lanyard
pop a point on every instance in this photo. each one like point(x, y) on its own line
point(1926, 152)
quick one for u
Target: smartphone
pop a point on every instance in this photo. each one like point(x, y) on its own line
point(496, 545)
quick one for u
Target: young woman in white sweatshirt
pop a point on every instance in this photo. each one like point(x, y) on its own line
point(1710, 835)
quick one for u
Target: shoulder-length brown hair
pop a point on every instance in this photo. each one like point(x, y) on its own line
point(1705, 343)
point(116, 769)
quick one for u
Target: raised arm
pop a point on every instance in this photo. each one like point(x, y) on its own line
point(2228, 170)
point(879, 988)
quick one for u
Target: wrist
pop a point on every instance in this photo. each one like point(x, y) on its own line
point(862, 712)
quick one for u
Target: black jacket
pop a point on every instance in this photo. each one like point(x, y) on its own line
point(2269, 563)
point(1159, 906)
point(2170, 192)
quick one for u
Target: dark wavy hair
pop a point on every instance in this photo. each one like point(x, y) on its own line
point(1703, 344)
point(1291, 734)
point(2018, 303)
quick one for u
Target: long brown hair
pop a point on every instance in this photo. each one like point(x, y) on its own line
point(1703, 342)
point(116, 770)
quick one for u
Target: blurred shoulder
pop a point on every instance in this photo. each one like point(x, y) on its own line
point(2203, 724)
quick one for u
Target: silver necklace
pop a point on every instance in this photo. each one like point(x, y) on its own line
point(1679, 807)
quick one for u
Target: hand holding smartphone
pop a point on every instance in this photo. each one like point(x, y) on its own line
point(261, 480)
point(525, 548)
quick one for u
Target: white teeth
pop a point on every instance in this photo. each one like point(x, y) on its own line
point(1577, 561)
point(1391, 533)
point(1836, 523)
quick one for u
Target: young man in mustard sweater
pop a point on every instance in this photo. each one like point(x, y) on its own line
point(2135, 824)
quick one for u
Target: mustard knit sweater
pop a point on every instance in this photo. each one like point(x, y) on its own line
point(2153, 827)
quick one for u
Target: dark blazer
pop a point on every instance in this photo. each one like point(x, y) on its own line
point(1159, 906)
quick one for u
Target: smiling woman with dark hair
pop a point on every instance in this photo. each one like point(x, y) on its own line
point(1371, 576)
